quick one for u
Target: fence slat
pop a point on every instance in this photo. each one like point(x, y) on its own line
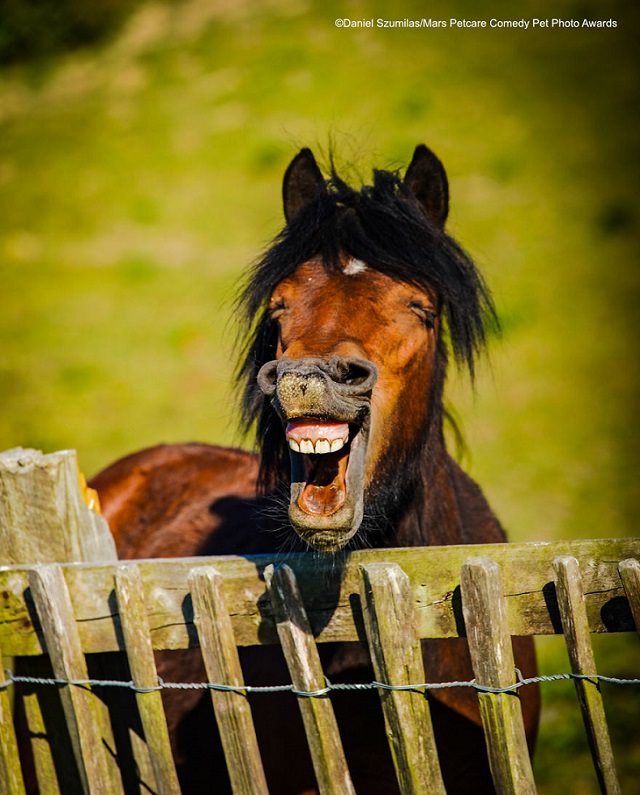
point(11, 781)
point(630, 575)
point(137, 639)
point(303, 660)
point(232, 710)
point(576, 631)
point(86, 728)
point(485, 618)
point(396, 653)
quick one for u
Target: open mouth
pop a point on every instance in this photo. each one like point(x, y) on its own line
point(325, 406)
point(327, 467)
point(324, 449)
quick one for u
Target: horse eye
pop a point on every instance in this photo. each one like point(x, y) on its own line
point(427, 316)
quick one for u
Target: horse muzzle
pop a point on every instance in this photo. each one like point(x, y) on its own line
point(324, 405)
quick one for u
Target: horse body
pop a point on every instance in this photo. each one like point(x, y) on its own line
point(343, 375)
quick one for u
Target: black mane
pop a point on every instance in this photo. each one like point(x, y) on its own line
point(385, 226)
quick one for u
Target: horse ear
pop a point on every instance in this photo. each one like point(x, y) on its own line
point(302, 183)
point(427, 181)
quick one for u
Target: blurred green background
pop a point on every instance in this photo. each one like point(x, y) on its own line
point(141, 151)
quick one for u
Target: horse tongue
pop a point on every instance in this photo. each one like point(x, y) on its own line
point(325, 490)
point(323, 500)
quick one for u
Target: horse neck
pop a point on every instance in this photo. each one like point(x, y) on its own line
point(433, 515)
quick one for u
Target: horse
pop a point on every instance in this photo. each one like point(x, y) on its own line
point(348, 321)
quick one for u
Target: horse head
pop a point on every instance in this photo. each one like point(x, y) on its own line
point(347, 351)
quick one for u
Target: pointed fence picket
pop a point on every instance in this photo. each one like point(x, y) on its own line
point(303, 661)
point(485, 616)
point(396, 654)
point(222, 663)
point(569, 590)
point(144, 676)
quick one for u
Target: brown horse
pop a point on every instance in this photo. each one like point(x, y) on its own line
point(342, 374)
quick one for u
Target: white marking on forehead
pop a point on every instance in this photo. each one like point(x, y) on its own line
point(354, 266)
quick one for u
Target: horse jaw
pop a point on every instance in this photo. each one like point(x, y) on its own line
point(326, 512)
point(324, 405)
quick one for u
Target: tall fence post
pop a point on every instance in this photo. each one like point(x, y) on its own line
point(46, 511)
point(47, 516)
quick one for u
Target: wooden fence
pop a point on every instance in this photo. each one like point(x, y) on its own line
point(52, 614)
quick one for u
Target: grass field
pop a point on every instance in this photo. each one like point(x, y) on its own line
point(140, 176)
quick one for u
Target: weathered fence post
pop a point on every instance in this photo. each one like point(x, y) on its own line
point(45, 513)
point(222, 662)
point(139, 647)
point(53, 603)
point(303, 660)
point(396, 653)
point(485, 619)
point(46, 517)
point(576, 632)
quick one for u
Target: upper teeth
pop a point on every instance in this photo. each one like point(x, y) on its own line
point(320, 447)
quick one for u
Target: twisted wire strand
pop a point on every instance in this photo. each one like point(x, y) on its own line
point(423, 687)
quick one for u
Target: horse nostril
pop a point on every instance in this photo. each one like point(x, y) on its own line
point(357, 373)
point(267, 377)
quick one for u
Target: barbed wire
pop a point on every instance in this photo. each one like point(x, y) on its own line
point(423, 687)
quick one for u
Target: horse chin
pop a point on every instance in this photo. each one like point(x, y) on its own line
point(327, 495)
